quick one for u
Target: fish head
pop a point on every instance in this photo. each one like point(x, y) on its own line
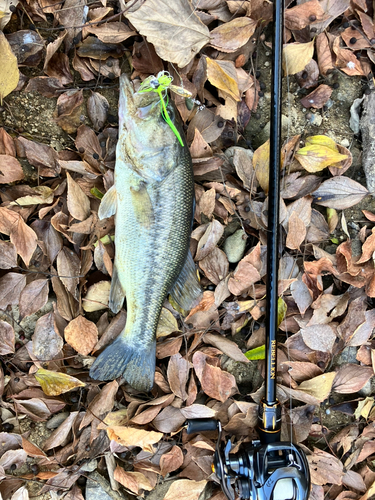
point(149, 142)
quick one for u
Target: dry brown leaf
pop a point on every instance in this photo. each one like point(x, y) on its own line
point(206, 204)
point(302, 296)
point(171, 461)
point(131, 436)
point(78, 202)
point(351, 378)
point(33, 297)
point(227, 346)
point(60, 434)
point(325, 468)
point(324, 54)
point(114, 32)
point(209, 239)
point(6, 338)
point(185, 489)
point(97, 296)
point(8, 255)
point(10, 74)
point(296, 232)
point(133, 481)
point(167, 324)
point(318, 97)
point(215, 266)
point(11, 286)
point(82, 335)
point(215, 382)
point(340, 192)
point(296, 56)
point(159, 24)
point(178, 375)
point(24, 239)
point(223, 75)
point(346, 60)
point(243, 278)
point(261, 160)
point(319, 337)
point(42, 157)
point(299, 17)
point(230, 36)
point(10, 169)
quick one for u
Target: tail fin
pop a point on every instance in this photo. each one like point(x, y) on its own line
point(134, 361)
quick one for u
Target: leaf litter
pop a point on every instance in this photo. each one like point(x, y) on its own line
point(210, 362)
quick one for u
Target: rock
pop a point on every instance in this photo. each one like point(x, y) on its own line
point(98, 488)
point(56, 420)
point(234, 246)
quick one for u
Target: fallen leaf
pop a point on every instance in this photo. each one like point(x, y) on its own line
point(69, 110)
point(171, 461)
point(319, 387)
point(261, 161)
point(296, 232)
point(44, 158)
point(315, 157)
point(6, 13)
point(8, 255)
point(7, 338)
point(227, 346)
point(178, 375)
point(215, 382)
point(11, 286)
point(98, 106)
point(101, 404)
point(324, 54)
point(300, 16)
point(209, 239)
point(82, 335)
point(10, 168)
point(185, 489)
point(115, 32)
point(131, 436)
point(97, 296)
point(133, 481)
point(215, 266)
point(60, 434)
point(230, 36)
point(33, 297)
point(24, 239)
point(159, 24)
point(351, 378)
point(78, 202)
point(325, 468)
point(243, 278)
point(301, 295)
point(296, 56)
point(223, 75)
point(340, 192)
point(318, 97)
point(10, 74)
point(319, 337)
point(55, 383)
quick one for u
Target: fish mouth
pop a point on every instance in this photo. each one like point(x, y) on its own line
point(132, 104)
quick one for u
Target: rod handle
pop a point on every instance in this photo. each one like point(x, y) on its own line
point(201, 425)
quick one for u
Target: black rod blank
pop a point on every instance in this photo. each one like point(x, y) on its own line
point(273, 203)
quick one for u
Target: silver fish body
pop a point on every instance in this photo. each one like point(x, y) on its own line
point(153, 202)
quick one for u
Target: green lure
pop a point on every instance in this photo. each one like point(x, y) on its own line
point(160, 84)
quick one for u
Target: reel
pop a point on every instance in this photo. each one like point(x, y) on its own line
point(273, 471)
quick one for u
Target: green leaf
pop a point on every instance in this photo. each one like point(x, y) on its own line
point(95, 192)
point(281, 310)
point(257, 353)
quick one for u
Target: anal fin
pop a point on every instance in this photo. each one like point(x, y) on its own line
point(108, 205)
point(187, 291)
point(116, 294)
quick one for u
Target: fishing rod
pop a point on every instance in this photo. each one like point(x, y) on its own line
point(265, 469)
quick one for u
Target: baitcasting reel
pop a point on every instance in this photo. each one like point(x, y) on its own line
point(274, 471)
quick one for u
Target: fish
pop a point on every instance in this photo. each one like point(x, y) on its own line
point(153, 202)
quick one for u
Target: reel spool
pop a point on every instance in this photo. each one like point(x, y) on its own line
point(273, 471)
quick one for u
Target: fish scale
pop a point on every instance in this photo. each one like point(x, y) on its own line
point(153, 199)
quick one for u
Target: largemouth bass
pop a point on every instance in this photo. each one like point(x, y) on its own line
point(153, 202)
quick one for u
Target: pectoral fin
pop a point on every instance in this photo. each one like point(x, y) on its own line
point(186, 292)
point(142, 205)
point(116, 294)
point(108, 204)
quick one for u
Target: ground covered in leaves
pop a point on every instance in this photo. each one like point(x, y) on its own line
point(66, 436)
